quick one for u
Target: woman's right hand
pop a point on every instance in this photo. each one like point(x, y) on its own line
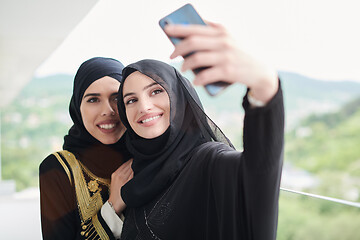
point(118, 179)
point(213, 47)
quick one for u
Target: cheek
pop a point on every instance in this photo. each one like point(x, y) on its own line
point(168, 116)
point(167, 107)
point(84, 115)
point(87, 115)
point(130, 116)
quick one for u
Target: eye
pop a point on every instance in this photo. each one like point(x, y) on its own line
point(130, 101)
point(115, 99)
point(157, 91)
point(92, 100)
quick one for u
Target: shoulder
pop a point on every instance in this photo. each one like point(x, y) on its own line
point(210, 153)
point(55, 170)
point(214, 149)
point(49, 162)
point(215, 161)
point(52, 162)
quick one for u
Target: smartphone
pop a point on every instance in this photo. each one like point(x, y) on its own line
point(188, 15)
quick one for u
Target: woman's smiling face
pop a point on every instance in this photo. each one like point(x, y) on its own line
point(99, 110)
point(147, 105)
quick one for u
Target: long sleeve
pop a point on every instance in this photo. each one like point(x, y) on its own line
point(263, 155)
point(246, 185)
point(264, 133)
point(59, 210)
point(57, 201)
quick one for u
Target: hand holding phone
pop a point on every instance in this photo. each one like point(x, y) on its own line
point(188, 15)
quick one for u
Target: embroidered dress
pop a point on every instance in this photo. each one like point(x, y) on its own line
point(73, 199)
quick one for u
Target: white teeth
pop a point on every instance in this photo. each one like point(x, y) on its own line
point(107, 126)
point(150, 119)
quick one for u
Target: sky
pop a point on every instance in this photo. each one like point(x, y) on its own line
point(316, 38)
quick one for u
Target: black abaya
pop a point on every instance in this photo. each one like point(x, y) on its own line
point(214, 191)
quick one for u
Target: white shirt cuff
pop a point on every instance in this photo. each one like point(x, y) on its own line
point(112, 219)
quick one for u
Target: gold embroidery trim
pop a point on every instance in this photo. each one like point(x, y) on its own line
point(89, 232)
point(64, 166)
point(99, 229)
point(88, 205)
point(93, 186)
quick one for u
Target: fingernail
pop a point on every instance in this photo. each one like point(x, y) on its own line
point(173, 55)
point(169, 27)
point(197, 80)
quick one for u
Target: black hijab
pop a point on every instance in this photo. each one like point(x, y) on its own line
point(78, 140)
point(155, 170)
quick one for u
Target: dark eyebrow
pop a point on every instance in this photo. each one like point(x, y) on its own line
point(91, 94)
point(146, 87)
point(98, 94)
point(150, 85)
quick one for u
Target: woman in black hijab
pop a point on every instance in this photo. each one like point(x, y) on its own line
point(75, 182)
point(189, 181)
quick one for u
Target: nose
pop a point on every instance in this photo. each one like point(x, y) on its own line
point(145, 105)
point(108, 109)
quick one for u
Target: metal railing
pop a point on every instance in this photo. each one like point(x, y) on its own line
point(336, 200)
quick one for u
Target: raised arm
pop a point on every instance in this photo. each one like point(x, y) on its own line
point(245, 183)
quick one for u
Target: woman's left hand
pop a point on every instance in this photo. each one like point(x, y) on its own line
point(214, 48)
point(118, 179)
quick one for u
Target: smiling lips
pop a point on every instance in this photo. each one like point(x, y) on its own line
point(147, 120)
point(107, 127)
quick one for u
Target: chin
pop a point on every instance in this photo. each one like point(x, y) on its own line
point(109, 141)
point(152, 135)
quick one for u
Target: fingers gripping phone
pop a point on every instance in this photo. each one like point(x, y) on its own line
point(188, 15)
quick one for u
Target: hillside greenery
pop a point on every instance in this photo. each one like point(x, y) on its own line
point(307, 218)
point(327, 146)
point(33, 126)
